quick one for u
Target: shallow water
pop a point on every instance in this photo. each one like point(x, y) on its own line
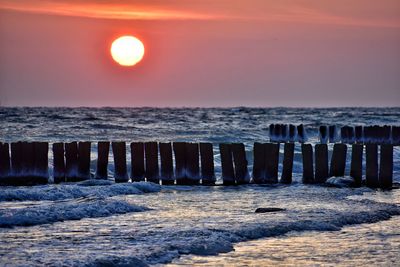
point(98, 223)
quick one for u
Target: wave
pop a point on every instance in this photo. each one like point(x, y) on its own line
point(90, 188)
point(58, 212)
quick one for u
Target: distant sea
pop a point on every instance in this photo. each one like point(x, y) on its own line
point(99, 223)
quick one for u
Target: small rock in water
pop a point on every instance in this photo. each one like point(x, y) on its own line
point(340, 182)
point(264, 210)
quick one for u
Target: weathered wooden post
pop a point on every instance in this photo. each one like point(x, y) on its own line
point(356, 163)
point(192, 163)
point(308, 166)
point(137, 160)
point(287, 171)
point(386, 167)
point(386, 134)
point(84, 160)
point(271, 162)
point(151, 159)
point(41, 169)
point(5, 164)
point(292, 133)
point(71, 161)
point(239, 158)
point(359, 134)
point(332, 134)
point(103, 149)
point(59, 163)
point(207, 164)
point(120, 169)
point(371, 178)
point(367, 134)
point(284, 133)
point(321, 163)
point(180, 162)
point(28, 164)
point(228, 175)
point(338, 160)
point(167, 168)
point(323, 134)
point(396, 135)
point(258, 163)
point(301, 133)
point(16, 163)
point(272, 131)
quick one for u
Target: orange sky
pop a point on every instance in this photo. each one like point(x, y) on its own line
point(202, 53)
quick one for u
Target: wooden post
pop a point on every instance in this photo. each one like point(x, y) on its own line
point(344, 135)
point(323, 134)
point(71, 162)
point(167, 168)
point(350, 134)
point(16, 158)
point(272, 133)
point(120, 169)
point(180, 162)
point(207, 164)
point(332, 134)
point(308, 168)
point(321, 163)
point(5, 164)
point(386, 133)
point(192, 163)
point(396, 135)
point(292, 133)
point(367, 134)
point(151, 159)
point(287, 171)
point(84, 160)
point(28, 164)
point(284, 133)
point(228, 175)
point(239, 158)
point(41, 161)
point(356, 163)
point(258, 163)
point(137, 160)
point(372, 165)
point(103, 149)
point(338, 160)
point(386, 167)
point(359, 134)
point(271, 162)
point(301, 133)
point(59, 163)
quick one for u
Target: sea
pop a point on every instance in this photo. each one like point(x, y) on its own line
point(101, 223)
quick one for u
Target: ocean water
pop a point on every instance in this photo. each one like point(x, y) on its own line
point(99, 223)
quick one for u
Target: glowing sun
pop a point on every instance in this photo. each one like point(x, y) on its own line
point(127, 50)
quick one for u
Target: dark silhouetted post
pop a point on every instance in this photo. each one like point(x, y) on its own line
point(180, 162)
point(41, 161)
point(323, 134)
point(386, 167)
point(292, 133)
point(371, 178)
point(301, 133)
point(151, 159)
point(359, 134)
point(59, 163)
point(308, 168)
point(338, 160)
point(103, 149)
point(332, 134)
point(287, 171)
point(271, 162)
point(71, 161)
point(207, 164)
point(272, 133)
point(321, 163)
point(386, 134)
point(228, 175)
point(28, 164)
point(356, 163)
point(192, 163)
point(167, 168)
point(120, 169)
point(84, 160)
point(258, 163)
point(5, 164)
point(239, 158)
point(137, 160)
point(396, 135)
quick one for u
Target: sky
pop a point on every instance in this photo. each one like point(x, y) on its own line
point(203, 53)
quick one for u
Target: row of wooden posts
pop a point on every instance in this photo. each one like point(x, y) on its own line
point(194, 163)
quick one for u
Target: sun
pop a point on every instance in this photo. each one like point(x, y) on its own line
point(127, 50)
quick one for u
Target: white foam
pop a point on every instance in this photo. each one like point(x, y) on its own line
point(96, 188)
point(61, 211)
